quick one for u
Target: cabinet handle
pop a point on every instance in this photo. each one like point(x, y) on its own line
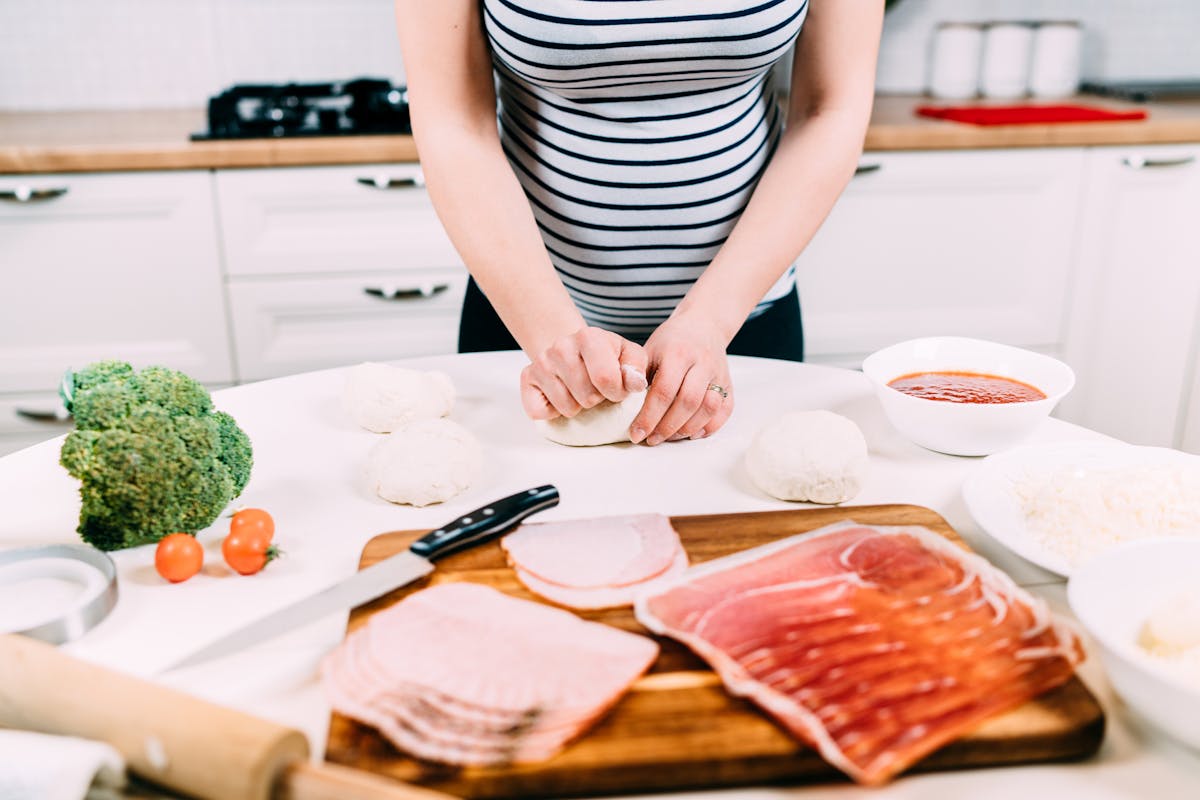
point(28, 194)
point(1141, 162)
point(414, 293)
point(867, 169)
point(386, 182)
point(57, 416)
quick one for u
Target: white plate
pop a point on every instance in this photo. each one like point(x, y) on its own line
point(990, 492)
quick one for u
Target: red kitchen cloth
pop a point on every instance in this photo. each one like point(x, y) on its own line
point(1027, 115)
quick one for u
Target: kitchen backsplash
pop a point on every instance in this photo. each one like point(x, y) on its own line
point(175, 53)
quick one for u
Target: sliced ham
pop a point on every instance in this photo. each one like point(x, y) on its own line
point(603, 597)
point(463, 674)
point(594, 553)
point(875, 645)
point(596, 563)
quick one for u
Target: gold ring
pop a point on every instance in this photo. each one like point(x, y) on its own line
point(712, 387)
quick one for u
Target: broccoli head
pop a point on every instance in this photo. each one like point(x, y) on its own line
point(152, 455)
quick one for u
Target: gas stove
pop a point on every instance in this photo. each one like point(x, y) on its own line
point(262, 111)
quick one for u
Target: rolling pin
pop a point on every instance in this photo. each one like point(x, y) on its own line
point(170, 738)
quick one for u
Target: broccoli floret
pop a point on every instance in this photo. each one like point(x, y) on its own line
point(236, 453)
point(110, 372)
point(152, 456)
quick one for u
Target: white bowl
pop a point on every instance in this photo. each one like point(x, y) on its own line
point(966, 429)
point(1113, 594)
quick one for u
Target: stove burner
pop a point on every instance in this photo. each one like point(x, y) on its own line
point(363, 106)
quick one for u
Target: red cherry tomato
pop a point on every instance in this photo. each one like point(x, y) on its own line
point(178, 557)
point(247, 552)
point(253, 521)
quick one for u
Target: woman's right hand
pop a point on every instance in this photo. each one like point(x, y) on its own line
point(579, 370)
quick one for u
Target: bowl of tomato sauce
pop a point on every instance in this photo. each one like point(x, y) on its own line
point(966, 397)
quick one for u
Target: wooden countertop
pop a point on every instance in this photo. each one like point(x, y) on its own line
point(99, 141)
point(895, 126)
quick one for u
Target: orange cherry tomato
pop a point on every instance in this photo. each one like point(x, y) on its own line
point(253, 521)
point(178, 557)
point(248, 552)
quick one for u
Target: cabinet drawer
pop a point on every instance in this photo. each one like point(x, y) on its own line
point(33, 415)
point(330, 220)
point(972, 243)
point(109, 266)
point(295, 325)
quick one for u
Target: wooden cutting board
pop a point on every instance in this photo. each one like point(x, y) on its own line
point(677, 728)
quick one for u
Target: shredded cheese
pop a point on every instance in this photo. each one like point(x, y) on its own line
point(1077, 512)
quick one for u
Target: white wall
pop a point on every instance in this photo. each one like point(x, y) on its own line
point(1124, 39)
point(175, 53)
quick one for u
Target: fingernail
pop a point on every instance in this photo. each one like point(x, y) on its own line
point(655, 439)
point(679, 437)
point(637, 434)
point(635, 379)
point(699, 434)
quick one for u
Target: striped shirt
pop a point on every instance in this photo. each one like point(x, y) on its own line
point(638, 130)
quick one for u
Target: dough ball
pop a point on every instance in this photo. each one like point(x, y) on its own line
point(607, 423)
point(382, 398)
point(811, 456)
point(426, 461)
point(1174, 625)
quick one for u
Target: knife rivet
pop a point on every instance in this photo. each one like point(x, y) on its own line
point(487, 512)
point(532, 491)
point(466, 520)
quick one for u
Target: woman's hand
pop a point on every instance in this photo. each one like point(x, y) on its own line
point(690, 394)
point(579, 370)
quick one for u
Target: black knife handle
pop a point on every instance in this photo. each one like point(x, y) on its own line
point(484, 524)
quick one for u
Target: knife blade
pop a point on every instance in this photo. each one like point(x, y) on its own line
point(476, 527)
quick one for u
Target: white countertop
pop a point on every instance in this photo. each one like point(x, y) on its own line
point(308, 462)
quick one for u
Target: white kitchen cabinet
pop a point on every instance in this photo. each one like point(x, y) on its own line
point(334, 265)
point(294, 325)
point(109, 266)
point(969, 243)
point(1133, 331)
point(329, 220)
point(26, 419)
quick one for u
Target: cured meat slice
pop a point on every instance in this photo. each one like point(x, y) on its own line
point(875, 645)
point(463, 674)
point(594, 553)
point(607, 596)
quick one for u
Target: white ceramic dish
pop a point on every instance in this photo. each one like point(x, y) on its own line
point(1112, 595)
point(966, 429)
point(990, 490)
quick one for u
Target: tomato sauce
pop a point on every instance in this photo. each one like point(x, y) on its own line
point(966, 387)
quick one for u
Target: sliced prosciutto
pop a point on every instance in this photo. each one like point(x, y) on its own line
point(875, 645)
point(596, 563)
point(463, 674)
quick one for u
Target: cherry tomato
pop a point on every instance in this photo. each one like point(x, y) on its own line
point(253, 521)
point(178, 557)
point(247, 553)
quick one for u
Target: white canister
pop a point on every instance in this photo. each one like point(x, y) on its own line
point(1055, 64)
point(954, 60)
point(1004, 74)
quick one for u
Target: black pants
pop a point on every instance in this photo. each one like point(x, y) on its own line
point(775, 333)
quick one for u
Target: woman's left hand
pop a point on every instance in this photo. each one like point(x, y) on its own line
point(690, 394)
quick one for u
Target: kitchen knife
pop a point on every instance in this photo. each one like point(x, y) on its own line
point(479, 526)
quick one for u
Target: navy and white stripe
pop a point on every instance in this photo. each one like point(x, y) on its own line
point(638, 129)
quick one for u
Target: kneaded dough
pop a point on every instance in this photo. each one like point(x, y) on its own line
point(811, 456)
point(426, 461)
point(607, 423)
point(382, 398)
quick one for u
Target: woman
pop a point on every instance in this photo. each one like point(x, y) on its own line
point(639, 206)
